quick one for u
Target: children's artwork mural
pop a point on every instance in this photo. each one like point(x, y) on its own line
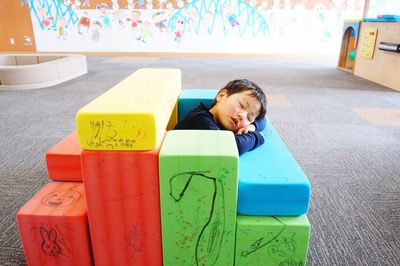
point(191, 26)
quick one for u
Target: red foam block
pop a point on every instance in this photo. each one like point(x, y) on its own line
point(53, 226)
point(123, 206)
point(64, 159)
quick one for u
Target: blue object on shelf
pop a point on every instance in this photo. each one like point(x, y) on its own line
point(383, 18)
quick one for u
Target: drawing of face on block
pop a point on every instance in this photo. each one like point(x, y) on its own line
point(61, 198)
point(49, 243)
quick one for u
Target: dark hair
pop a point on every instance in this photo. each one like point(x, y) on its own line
point(239, 85)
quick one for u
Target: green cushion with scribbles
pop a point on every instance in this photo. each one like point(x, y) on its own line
point(272, 240)
point(198, 172)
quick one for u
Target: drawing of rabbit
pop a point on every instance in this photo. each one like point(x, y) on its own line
point(49, 242)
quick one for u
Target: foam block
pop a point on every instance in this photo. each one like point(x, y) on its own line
point(124, 206)
point(64, 160)
point(198, 193)
point(53, 226)
point(270, 180)
point(190, 99)
point(133, 115)
point(272, 240)
point(173, 120)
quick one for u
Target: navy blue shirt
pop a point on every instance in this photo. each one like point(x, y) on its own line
point(201, 118)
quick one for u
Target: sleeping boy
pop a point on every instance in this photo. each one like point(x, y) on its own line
point(240, 107)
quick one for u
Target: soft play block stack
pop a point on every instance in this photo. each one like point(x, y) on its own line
point(198, 194)
point(53, 226)
point(124, 208)
point(133, 115)
point(270, 180)
point(272, 240)
point(270, 183)
point(120, 165)
point(64, 160)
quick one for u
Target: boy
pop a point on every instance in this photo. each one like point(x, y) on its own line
point(240, 107)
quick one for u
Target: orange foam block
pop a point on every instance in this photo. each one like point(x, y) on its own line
point(123, 206)
point(53, 226)
point(64, 159)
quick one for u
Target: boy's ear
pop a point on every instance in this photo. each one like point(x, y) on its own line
point(221, 94)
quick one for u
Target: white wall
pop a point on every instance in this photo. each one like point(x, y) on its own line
point(199, 26)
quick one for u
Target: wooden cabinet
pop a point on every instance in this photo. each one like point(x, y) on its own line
point(384, 67)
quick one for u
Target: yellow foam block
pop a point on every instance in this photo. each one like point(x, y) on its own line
point(132, 115)
point(173, 120)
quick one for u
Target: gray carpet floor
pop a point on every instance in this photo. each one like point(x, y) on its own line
point(344, 132)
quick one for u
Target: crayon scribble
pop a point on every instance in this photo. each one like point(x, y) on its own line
point(208, 242)
point(258, 244)
point(104, 134)
point(53, 243)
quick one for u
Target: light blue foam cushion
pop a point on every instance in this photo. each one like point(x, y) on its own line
point(190, 99)
point(270, 180)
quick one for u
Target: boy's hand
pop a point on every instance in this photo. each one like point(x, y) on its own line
point(247, 129)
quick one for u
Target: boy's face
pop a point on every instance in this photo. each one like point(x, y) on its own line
point(235, 111)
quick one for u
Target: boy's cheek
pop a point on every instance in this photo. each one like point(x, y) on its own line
point(244, 124)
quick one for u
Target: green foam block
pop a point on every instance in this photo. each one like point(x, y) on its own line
point(198, 194)
point(272, 240)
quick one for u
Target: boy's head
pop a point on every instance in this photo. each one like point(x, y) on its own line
point(238, 104)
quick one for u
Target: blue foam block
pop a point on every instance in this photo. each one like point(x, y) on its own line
point(270, 180)
point(189, 99)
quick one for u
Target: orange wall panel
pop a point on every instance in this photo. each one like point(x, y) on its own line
point(15, 23)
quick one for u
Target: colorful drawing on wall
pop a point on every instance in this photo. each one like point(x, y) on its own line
point(226, 15)
point(52, 14)
point(382, 7)
point(197, 26)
